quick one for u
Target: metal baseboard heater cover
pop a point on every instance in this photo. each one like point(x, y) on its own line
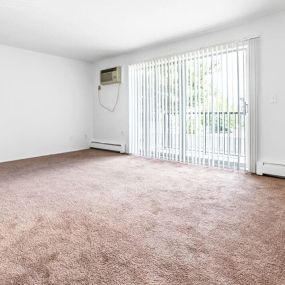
point(111, 146)
point(272, 169)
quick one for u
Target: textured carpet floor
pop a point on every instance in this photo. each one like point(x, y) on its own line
point(93, 217)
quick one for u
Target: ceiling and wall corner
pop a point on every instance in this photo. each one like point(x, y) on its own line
point(89, 30)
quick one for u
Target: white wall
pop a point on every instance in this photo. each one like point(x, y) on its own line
point(271, 131)
point(45, 104)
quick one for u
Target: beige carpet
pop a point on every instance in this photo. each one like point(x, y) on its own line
point(94, 217)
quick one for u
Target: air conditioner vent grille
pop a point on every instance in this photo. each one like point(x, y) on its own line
point(110, 76)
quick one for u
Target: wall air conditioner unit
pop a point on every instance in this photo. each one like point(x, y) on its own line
point(110, 76)
point(112, 146)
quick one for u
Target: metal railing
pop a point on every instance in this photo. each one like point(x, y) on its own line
point(208, 132)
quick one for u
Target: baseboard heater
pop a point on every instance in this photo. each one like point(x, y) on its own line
point(117, 147)
point(272, 169)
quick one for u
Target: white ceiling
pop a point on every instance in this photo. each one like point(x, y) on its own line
point(92, 29)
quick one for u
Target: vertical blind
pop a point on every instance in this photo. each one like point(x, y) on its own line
point(192, 107)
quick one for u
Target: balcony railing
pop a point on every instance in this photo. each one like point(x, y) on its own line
point(218, 133)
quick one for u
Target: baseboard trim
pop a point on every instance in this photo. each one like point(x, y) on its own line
point(272, 169)
point(44, 155)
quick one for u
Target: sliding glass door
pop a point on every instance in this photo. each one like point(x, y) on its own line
point(192, 107)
